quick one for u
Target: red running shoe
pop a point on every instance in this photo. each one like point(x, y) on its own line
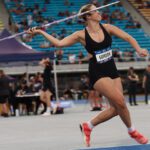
point(138, 137)
point(86, 133)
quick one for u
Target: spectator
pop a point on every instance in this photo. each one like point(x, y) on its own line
point(67, 94)
point(84, 82)
point(45, 44)
point(47, 1)
point(59, 56)
point(146, 83)
point(26, 38)
point(132, 85)
point(80, 57)
point(67, 3)
point(4, 93)
point(71, 58)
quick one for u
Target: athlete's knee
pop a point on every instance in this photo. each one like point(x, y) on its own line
point(122, 106)
point(114, 111)
point(120, 102)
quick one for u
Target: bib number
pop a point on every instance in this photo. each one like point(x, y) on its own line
point(103, 56)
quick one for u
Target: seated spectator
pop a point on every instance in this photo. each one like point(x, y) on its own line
point(61, 36)
point(38, 82)
point(80, 56)
point(137, 24)
point(22, 89)
point(67, 94)
point(95, 2)
point(130, 26)
point(84, 82)
point(59, 56)
point(44, 9)
point(47, 1)
point(69, 22)
point(72, 58)
point(128, 55)
point(26, 38)
point(23, 78)
point(45, 44)
point(66, 2)
point(116, 54)
point(80, 21)
point(18, 10)
point(105, 16)
point(63, 31)
point(61, 14)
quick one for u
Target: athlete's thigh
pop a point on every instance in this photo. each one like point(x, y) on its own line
point(118, 84)
point(106, 86)
point(48, 94)
point(42, 95)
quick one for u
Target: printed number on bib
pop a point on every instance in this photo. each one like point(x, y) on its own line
point(103, 55)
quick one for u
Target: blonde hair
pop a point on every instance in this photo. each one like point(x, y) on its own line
point(84, 9)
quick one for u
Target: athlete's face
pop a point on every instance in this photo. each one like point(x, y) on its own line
point(94, 15)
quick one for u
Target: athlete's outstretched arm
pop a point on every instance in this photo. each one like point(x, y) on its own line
point(113, 30)
point(69, 40)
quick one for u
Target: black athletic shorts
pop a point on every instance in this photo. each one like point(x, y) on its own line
point(97, 71)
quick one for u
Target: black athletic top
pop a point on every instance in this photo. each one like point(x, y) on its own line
point(102, 63)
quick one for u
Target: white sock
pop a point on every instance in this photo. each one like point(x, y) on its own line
point(90, 125)
point(131, 129)
point(48, 109)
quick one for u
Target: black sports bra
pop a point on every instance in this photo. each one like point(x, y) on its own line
point(92, 45)
point(101, 51)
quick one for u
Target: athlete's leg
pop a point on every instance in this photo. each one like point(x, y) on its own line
point(46, 102)
point(109, 112)
point(42, 96)
point(112, 89)
point(48, 95)
point(105, 115)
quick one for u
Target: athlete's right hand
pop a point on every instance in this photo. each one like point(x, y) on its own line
point(33, 30)
point(143, 52)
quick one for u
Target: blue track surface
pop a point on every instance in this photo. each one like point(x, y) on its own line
point(135, 147)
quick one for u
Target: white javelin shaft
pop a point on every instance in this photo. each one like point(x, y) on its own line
point(61, 20)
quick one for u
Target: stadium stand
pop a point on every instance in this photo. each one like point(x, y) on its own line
point(1, 25)
point(143, 6)
point(33, 13)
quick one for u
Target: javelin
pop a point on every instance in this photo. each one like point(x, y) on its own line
point(58, 21)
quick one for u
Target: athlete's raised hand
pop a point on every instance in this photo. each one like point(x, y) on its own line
point(143, 52)
point(34, 30)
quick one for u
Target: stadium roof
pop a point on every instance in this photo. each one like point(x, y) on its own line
point(12, 50)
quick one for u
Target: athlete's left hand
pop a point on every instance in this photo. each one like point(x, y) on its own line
point(143, 52)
